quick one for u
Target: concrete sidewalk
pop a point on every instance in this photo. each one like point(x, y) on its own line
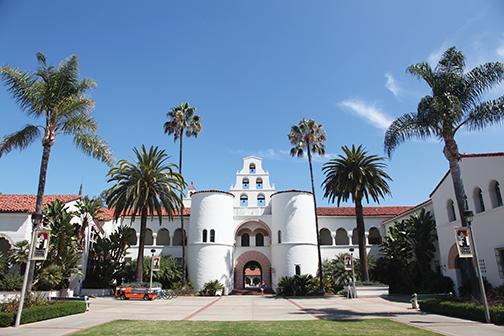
point(234, 308)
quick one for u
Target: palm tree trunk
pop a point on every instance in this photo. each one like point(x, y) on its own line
point(141, 245)
point(184, 272)
point(39, 202)
point(320, 272)
point(361, 235)
point(453, 156)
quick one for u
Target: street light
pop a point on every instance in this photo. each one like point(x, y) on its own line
point(151, 267)
point(354, 290)
point(468, 214)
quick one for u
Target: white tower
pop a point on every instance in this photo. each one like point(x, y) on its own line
point(211, 239)
point(294, 241)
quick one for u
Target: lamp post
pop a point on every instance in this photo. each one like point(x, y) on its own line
point(151, 267)
point(469, 217)
point(354, 291)
point(36, 219)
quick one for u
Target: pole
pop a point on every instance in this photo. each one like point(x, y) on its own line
point(354, 292)
point(151, 266)
point(478, 271)
point(27, 270)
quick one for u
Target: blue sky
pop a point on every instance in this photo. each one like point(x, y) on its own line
point(252, 69)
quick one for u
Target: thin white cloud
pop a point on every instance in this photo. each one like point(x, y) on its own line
point(500, 50)
point(392, 85)
point(369, 112)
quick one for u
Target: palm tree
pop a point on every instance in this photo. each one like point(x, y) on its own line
point(145, 187)
point(88, 209)
point(356, 175)
point(309, 136)
point(455, 101)
point(182, 120)
point(57, 96)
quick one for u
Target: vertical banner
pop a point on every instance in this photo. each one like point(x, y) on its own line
point(463, 242)
point(41, 244)
point(348, 262)
point(156, 263)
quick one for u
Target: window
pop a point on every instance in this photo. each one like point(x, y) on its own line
point(374, 237)
point(252, 168)
point(495, 194)
point(243, 200)
point(5, 245)
point(298, 269)
point(479, 205)
point(245, 183)
point(325, 237)
point(342, 237)
point(205, 233)
point(245, 239)
point(259, 239)
point(163, 237)
point(178, 239)
point(279, 237)
point(259, 183)
point(132, 238)
point(261, 202)
point(212, 236)
point(450, 208)
point(148, 239)
point(355, 237)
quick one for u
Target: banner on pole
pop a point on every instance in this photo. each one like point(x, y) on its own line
point(41, 244)
point(156, 263)
point(463, 242)
point(348, 262)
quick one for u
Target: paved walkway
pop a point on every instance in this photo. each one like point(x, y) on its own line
point(233, 308)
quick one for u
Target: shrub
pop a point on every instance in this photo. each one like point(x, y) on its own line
point(11, 281)
point(210, 288)
point(469, 311)
point(298, 285)
point(11, 305)
point(44, 312)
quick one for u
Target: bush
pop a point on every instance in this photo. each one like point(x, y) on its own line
point(210, 288)
point(298, 285)
point(468, 311)
point(11, 281)
point(44, 312)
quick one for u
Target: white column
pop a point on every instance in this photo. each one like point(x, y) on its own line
point(333, 236)
point(154, 238)
point(138, 239)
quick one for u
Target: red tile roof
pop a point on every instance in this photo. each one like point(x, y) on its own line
point(109, 213)
point(368, 211)
point(26, 203)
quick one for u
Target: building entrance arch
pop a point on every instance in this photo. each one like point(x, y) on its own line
point(252, 275)
point(249, 267)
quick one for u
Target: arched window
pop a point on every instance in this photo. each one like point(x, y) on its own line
point(355, 237)
point(132, 238)
point(243, 200)
point(252, 168)
point(450, 208)
point(177, 238)
point(279, 236)
point(205, 233)
point(342, 237)
point(148, 239)
point(479, 204)
point(325, 237)
point(259, 183)
point(259, 239)
point(212, 236)
point(374, 237)
point(245, 183)
point(261, 201)
point(163, 237)
point(245, 239)
point(298, 270)
point(495, 194)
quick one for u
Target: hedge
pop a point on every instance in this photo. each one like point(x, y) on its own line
point(39, 313)
point(468, 311)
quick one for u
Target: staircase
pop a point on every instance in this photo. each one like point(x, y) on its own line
point(251, 291)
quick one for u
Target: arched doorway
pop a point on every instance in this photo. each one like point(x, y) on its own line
point(262, 269)
point(252, 275)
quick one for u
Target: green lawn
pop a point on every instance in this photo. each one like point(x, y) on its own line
point(268, 328)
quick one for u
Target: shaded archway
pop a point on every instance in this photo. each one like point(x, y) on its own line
point(252, 275)
point(245, 260)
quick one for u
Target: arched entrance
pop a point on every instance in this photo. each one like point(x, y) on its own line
point(252, 264)
point(252, 275)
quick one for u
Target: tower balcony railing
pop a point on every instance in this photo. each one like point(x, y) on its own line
point(252, 211)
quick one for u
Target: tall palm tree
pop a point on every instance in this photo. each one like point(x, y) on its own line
point(356, 175)
point(456, 101)
point(57, 96)
point(182, 120)
point(145, 187)
point(88, 209)
point(309, 136)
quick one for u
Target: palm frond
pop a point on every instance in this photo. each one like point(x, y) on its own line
point(452, 62)
point(19, 140)
point(307, 133)
point(423, 71)
point(480, 80)
point(23, 88)
point(79, 123)
point(486, 114)
point(182, 120)
point(406, 127)
point(94, 146)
